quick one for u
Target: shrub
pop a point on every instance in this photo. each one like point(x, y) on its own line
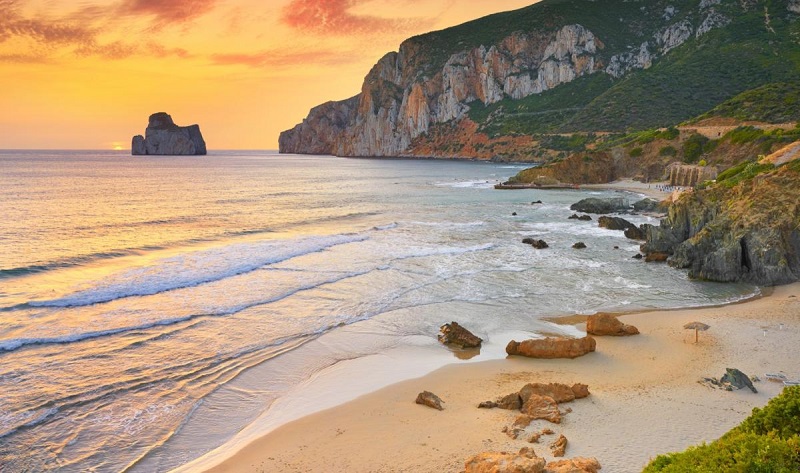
point(693, 148)
point(636, 152)
point(668, 151)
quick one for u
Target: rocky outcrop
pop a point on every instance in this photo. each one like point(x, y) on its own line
point(525, 461)
point(794, 6)
point(614, 223)
point(430, 81)
point(557, 391)
point(552, 347)
point(164, 137)
point(649, 205)
point(573, 465)
point(455, 334)
point(427, 398)
point(746, 233)
point(593, 205)
point(607, 324)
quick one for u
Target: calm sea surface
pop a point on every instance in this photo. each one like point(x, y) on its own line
point(151, 308)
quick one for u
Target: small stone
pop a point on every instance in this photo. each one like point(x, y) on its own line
point(638, 256)
point(559, 447)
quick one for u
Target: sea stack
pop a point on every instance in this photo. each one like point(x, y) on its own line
point(164, 137)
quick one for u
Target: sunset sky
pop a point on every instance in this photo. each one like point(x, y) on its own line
point(87, 74)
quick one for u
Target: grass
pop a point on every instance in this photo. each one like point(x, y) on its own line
point(770, 103)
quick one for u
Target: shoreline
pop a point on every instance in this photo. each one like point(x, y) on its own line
point(644, 375)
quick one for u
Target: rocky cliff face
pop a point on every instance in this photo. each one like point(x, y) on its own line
point(164, 137)
point(402, 97)
point(748, 233)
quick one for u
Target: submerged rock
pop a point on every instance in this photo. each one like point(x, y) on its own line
point(580, 217)
point(164, 137)
point(579, 245)
point(538, 244)
point(455, 334)
point(427, 398)
point(552, 347)
point(607, 324)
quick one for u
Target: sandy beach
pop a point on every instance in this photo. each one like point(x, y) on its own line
point(646, 399)
point(629, 185)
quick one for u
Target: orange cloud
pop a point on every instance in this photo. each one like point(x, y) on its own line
point(167, 12)
point(278, 58)
point(333, 17)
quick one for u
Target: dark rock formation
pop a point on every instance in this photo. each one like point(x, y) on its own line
point(607, 324)
point(593, 205)
point(580, 217)
point(538, 244)
point(737, 379)
point(649, 205)
point(579, 246)
point(748, 232)
point(635, 233)
point(552, 347)
point(455, 334)
point(614, 223)
point(164, 137)
point(525, 461)
point(427, 398)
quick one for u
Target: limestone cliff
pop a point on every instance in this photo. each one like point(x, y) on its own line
point(748, 232)
point(431, 81)
point(164, 137)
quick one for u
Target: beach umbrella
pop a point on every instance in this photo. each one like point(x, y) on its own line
point(697, 326)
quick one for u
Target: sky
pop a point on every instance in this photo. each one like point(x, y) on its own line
point(86, 74)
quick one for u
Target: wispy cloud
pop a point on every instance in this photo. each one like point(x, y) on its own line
point(281, 58)
point(168, 12)
point(334, 17)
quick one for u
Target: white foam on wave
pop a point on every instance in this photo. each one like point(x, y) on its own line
point(475, 184)
point(200, 267)
point(423, 252)
point(478, 223)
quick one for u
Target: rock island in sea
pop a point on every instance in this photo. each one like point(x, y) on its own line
point(164, 137)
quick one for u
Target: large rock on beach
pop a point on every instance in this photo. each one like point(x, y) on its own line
point(427, 398)
point(593, 205)
point(552, 347)
point(737, 379)
point(525, 461)
point(541, 407)
point(607, 324)
point(164, 137)
point(455, 334)
point(557, 391)
point(573, 465)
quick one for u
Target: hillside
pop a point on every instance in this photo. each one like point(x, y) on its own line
point(501, 86)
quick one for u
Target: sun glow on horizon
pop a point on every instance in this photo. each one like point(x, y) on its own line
point(244, 70)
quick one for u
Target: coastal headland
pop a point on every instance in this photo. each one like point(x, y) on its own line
point(647, 398)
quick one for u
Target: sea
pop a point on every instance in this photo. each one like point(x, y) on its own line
point(159, 310)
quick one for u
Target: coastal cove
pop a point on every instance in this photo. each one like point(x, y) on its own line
point(254, 276)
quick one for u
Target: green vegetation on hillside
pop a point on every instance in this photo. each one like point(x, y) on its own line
point(771, 103)
point(766, 442)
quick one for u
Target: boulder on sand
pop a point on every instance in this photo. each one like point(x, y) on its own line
point(552, 347)
point(607, 324)
point(541, 407)
point(427, 398)
point(559, 447)
point(737, 379)
point(573, 465)
point(455, 334)
point(525, 461)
